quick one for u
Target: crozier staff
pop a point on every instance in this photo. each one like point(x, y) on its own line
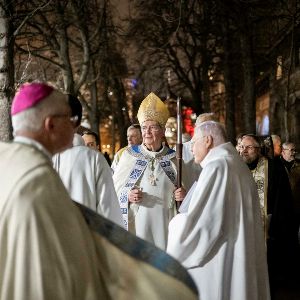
point(179, 147)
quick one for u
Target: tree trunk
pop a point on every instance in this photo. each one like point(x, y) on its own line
point(205, 82)
point(229, 85)
point(249, 109)
point(205, 60)
point(122, 118)
point(64, 54)
point(6, 69)
point(94, 112)
point(287, 109)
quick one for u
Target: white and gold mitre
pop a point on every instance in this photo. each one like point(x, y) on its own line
point(153, 109)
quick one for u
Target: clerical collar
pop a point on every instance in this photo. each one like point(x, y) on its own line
point(152, 150)
point(253, 164)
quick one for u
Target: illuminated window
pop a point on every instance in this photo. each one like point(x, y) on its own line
point(265, 125)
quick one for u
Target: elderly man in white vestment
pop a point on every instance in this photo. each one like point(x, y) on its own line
point(46, 251)
point(87, 175)
point(51, 249)
point(218, 235)
point(145, 177)
point(192, 169)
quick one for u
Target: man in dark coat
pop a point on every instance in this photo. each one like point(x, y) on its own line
point(277, 212)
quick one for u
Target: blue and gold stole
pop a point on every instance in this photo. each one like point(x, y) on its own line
point(142, 161)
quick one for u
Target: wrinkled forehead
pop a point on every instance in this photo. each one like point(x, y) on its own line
point(149, 123)
point(249, 141)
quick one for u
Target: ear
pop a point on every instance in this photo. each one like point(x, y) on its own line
point(49, 124)
point(209, 141)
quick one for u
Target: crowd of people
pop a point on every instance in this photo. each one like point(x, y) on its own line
point(54, 248)
point(278, 211)
point(234, 233)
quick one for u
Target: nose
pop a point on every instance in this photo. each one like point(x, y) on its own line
point(243, 149)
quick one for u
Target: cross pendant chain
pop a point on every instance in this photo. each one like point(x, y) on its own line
point(151, 177)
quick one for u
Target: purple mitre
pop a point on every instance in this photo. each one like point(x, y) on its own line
point(29, 95)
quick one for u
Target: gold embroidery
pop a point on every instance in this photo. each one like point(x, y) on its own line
point(260, 175)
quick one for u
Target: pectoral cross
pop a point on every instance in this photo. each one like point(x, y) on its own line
point(152, 179)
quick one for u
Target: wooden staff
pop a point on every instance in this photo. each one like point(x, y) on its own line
point(179, 147)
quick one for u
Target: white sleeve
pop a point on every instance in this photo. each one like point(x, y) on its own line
point(195, 234)
point(107, 201)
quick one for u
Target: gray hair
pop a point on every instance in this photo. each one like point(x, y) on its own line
point(206, 117)
point(254, 138)
point(286, 144)
point(214, 129)
point(32, 118)
point(135, 126)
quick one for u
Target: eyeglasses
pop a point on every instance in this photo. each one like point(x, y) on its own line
point(152, 128)
point(73, 119)
point(249, 147)
point(291, 150)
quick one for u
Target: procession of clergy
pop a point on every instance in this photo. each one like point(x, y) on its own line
point(112, 243)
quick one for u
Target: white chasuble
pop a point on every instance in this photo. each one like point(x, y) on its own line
point(219, 239)
point(150, 218)
point(88, 179)
point(46, 250)
point(51, 249)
